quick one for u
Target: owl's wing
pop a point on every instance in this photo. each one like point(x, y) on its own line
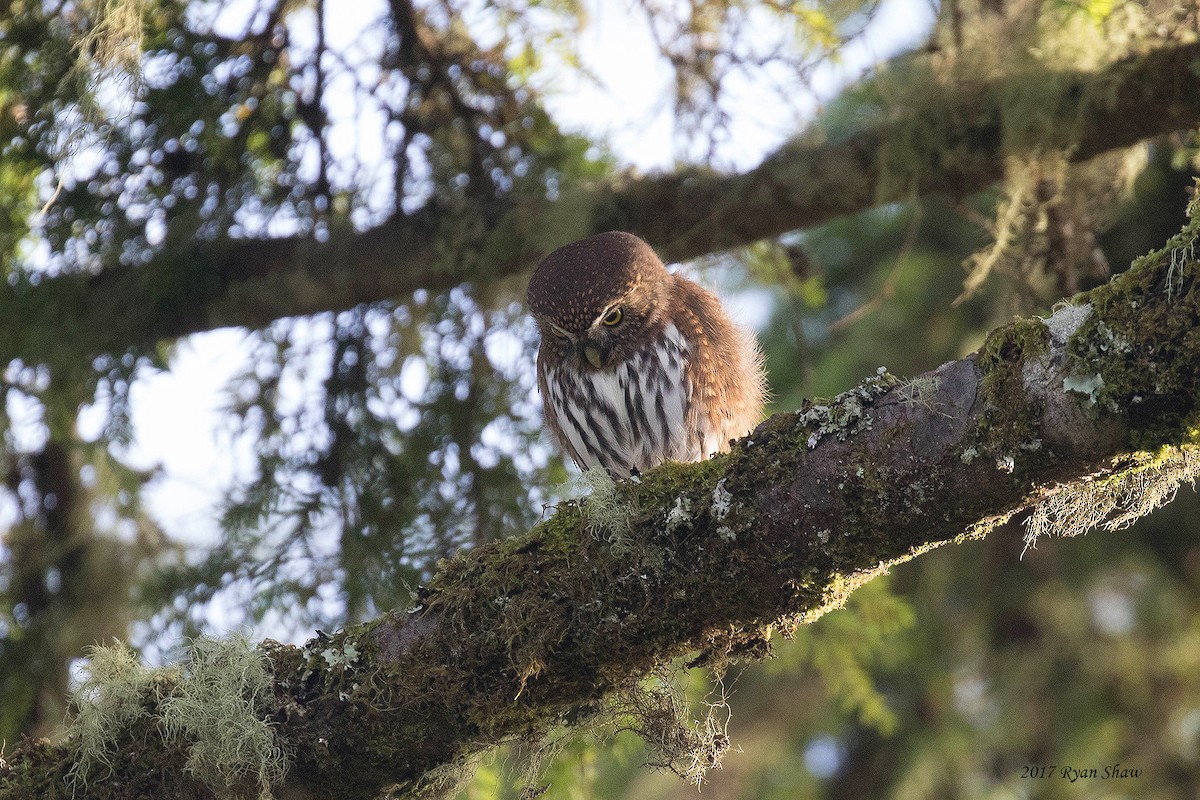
point(724, 369)
point(551, 417)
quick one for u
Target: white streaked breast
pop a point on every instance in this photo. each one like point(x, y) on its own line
point(632, 416)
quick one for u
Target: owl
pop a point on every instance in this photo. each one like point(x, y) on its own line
point(638, 366)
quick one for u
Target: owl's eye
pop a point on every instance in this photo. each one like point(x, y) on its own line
point(559, 332)
point(613, 317)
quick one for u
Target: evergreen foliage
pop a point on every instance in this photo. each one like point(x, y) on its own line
point(150, 142)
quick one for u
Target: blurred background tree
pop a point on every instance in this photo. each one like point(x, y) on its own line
point(142, 142)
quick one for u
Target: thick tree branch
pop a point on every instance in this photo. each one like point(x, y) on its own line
point(956, 142)
point(521, 636)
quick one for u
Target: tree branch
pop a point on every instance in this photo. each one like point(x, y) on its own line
point(525, 635)
point(956, 142)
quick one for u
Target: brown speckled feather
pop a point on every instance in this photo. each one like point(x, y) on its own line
point(724, 367)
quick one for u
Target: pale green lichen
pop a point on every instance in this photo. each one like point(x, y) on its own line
point(1181, 257)
point(607, 508)
point(919, 391)
point(217, 710)
point(1109, 341)
point(110, 698)
point(214, 707)
point(1089, 385)
point(344, 656)
point(722, 500)
point(722, 505)
point(1114, 502)
point(846, 414)
point(680, 513)
point(676, 736)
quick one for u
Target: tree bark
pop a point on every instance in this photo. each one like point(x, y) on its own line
point(523, 636)
point(954, 139)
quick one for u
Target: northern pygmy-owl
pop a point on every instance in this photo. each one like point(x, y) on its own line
point(638, 366)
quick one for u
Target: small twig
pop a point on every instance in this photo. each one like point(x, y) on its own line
point(53, 197)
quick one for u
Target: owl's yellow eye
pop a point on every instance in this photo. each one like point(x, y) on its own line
point(613, 317)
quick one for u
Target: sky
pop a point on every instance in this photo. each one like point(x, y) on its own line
point(177, 413)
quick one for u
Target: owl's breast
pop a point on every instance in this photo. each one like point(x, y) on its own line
point(633, 415)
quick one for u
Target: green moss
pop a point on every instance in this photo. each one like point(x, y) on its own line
point(1143, 342)
point(554, 632)
point(1134, 359)
point(1010, 419)
point(40, 773)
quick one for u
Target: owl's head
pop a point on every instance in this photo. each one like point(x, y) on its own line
point(599, 299)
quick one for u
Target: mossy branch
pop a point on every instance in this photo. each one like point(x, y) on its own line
point(524, 636)
point(953, 138)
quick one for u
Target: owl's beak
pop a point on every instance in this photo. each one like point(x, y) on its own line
point(592, 353)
